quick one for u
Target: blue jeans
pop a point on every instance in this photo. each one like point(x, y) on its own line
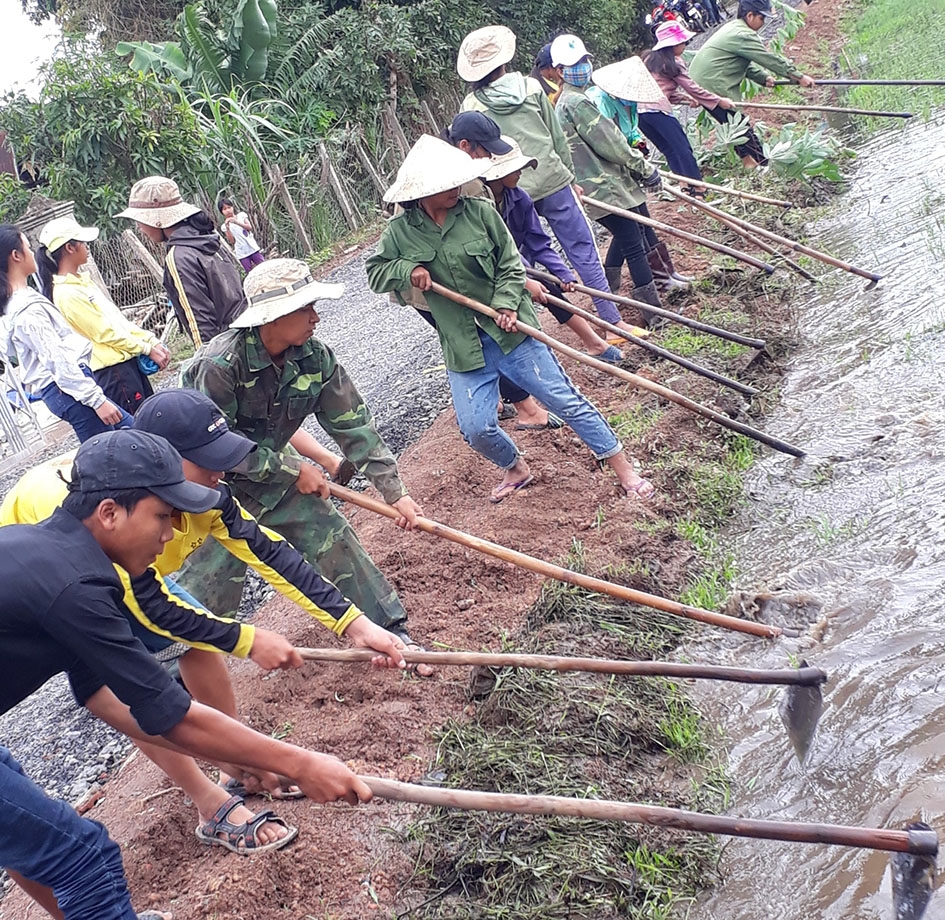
point(670, 139)
point(47, 842)
point(533, 367)
point(570, 225)
point(82, 418)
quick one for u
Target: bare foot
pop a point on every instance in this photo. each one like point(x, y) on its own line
point(530, 412)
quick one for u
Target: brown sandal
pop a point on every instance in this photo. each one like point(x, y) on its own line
point(242, 838)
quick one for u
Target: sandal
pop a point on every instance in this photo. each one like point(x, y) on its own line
point(413, 667)
point(504, 490)
point(552, 423)
point(154, 915)
point(643, 490)
point(236, 787)
point(242, 838)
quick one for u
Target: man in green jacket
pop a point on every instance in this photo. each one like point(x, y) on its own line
point(736, 52)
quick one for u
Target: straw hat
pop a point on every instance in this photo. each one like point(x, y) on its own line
point(156, 202)
point(567, 50)
point(671, 33)
point(279, 287)
point(60, 231)
point(484, 50)
point(432, 166)
point(506, 163)
point(630, 80)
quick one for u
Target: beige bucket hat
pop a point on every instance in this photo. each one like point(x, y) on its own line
point(156, 202)
point(629, 79)
point(484, 50)
point(505, 163)
point(60, 231)
point(432, 166)
point(278, 287)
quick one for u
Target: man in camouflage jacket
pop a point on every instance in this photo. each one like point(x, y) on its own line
point(267, 374)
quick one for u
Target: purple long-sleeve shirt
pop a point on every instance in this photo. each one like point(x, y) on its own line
point(518, 212)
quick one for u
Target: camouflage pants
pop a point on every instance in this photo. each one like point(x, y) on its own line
point(322, 535)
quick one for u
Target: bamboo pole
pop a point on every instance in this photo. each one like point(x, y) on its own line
point(278, 181)
point(792, 677)
point(336, 186)
point(907, 841)
point(742, 388)
point(559, 573)
point(867, 83)
point(666, 314)
point(841, 110)
point(682, 234)
point(736, 193)
point(680, 195)
point(711, 414)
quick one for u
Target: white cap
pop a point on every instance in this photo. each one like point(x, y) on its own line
point(567, 50)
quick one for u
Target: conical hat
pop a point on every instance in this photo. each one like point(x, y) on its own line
point(432, 166)
point(630, 80)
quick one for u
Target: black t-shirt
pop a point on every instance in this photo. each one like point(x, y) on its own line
point(59, 597)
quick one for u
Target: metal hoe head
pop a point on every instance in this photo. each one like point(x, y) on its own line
point(800, 710)
point(913, 878)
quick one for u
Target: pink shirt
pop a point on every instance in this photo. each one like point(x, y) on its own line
point(678, 90)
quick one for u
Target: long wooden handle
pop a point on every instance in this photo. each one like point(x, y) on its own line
point(822, 108)
point(559, 573)
point(799, 677)
point(909, 841)
point(651, 347)
point(867, 83)
point(682, 234)
point(736, 337)
point(725, 190)
point(716, 215)
point(718, 417)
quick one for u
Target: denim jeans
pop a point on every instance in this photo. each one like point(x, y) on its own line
point(670, 139)
point(83, 419)
point(533, 367)
point(47, 842)
point(570, 225)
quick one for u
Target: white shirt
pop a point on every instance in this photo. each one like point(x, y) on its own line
point(244, 243)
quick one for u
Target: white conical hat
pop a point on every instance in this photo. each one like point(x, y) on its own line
point(432, 166)
point(630, 80)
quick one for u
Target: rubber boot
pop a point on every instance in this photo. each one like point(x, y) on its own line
point(664, 274)
point(684, 281)
point(649, 294)
point(613, 278)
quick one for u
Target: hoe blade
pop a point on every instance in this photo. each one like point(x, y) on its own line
point(913, 878)
point(800, 710)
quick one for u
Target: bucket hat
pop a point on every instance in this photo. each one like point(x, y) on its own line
point(670, 33)
point(567, 50)
point(156, 202)
point(60, 231)
point(484, 50)
point(629, 79)
point(499, 166)
point(194, 427)
point(432, 166)
point(279, 287)
point(131, 459)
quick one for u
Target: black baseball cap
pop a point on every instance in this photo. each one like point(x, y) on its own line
point(762, 7)
point(130, 459)
point(543, 58)
point(478, 129)
point(195, 427)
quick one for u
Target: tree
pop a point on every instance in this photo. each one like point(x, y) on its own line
point(110, 20)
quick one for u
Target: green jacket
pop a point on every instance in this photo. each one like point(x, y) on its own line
point(734, 53)
point(268, 404)
point(474, 254)
point(519, 106)
point(605, 164)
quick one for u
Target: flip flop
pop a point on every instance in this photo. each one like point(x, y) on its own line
point(236, 787)
point(611, 354)
point(503, 491)
point(553, 422)
point(643, 490)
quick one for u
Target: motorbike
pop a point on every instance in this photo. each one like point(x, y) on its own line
point(689, 13)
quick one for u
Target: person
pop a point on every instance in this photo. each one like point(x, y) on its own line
point(607, 166)
point(117, 343)
point(239, 233)
point(202, 282)
point(64, 618)
point(520, 108)
point(545, 73)
point(267, 375)
point(503, 175)
point(54, 360)
point(665, 62)
point(736, 52)
point(463, 243)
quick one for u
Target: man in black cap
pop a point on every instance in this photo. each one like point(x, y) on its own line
point(60, 612)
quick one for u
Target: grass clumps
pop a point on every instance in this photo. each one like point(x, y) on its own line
point(578, 735)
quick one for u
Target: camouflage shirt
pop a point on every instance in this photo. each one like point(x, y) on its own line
point(605, 164)
point(269, 404)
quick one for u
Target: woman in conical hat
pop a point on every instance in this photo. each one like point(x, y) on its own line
point(463, 244)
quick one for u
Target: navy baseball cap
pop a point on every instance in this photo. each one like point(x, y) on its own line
point(478, 129)
point(762, 7)
point(195, 427)
point(543, 58)
point(130, 459)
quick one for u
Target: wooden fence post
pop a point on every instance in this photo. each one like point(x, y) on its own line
point(275, 176)
point(365, 158)
point(336, 186)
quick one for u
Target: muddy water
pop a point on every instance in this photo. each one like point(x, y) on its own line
point(859, 524)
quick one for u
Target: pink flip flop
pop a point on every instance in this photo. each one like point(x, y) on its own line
point(643, 490)
point(501, 492)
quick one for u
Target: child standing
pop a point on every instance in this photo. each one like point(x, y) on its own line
point(239, 234)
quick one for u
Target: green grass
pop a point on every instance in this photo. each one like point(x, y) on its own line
point(635, 421)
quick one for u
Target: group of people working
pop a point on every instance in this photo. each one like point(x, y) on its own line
point(129, 514)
